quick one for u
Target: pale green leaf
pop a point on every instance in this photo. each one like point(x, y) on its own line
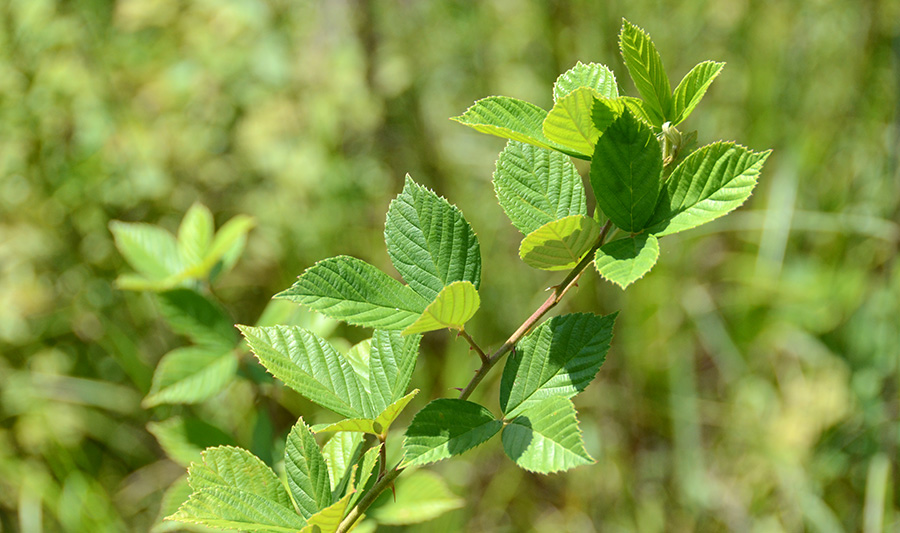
point(640, 111)
point(430, 243)
point(559, 245)
point(190, 375)
point(358, 357)
point(328, 519)
point(421, 496)
point(195, 233)
point(177, 493)
point(234, 509)
point(692, 88)
point(709, 183)
point(391, 412)
point(391, 362)
point(545, 437)
point(536, 186)
point(184, 439)
point(196, 317)
point(625, 172)
point(578, 119)
point(558, 359)
point(349, 289)
point(646, 69)
point(341, 453)
point(307, 473)
point(593, 75)
point(357, 425)
point(230, 467)
point(379, 426)
point(311, 366)
point(225, 248)
point(452, 308)
point(447, 427)
point(150, 250)
point(625, 261)
point(366, 474)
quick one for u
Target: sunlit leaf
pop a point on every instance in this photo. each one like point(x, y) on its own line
point(447, 427)
point(560, 244)
point(307, 473)
point(190, 375)
point(452, 308)
point(545, 438)
point(646, 69)
point(195, 234)
point(693, 86)
point(593, 75)
point(625, 261)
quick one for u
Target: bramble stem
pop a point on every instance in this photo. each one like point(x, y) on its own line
point(474, 345)
point(367, 499)
point(558, 293)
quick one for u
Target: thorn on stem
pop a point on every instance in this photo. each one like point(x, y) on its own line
point(458, 388)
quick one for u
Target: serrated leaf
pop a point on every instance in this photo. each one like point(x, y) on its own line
point(190, 375)
point(391, 362)
point(196, 317)
point(349, 289)
point(560, 244)
point(227, 466)
point(510, 119)
point(593, 75)
point(150, 250)
point(447, 427)
point(640, 111)
point(452, 308)
point(558, 359)
point(692, 88)
point(195, 233)
point(578, 119)
point(341, 453)
point(184, 439)
point(307, 473)
point(536, 186)
point(545, 438)
point(709, 183)
point(232, 508)
point(366, 479)
point(429, 241)
point(421, 496)
point(646, 69)
point(311, 366)
point(327, 520)
point(625, 261)
point(625, 172)
point(177, 493)
point(379, 426)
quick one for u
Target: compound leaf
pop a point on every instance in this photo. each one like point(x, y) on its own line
point(709, 183)
point(447, 427)
point(625, 261)
point(593, 75)
point(536, 186)
point(625, 172)
point(307, 473)
point(560, 244)
point(545, 437)
point(349, 289)
point(646, 69)
point(311, 366)
point(452, 308)
point(429, 241)
point(190, 375)
point(692, 88)
point(558, 359)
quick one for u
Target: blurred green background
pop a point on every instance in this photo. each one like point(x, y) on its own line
point(753, 380)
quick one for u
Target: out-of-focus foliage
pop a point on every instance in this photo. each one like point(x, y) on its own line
point(753, 382)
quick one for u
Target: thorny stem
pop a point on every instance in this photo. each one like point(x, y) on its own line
point(385, 479)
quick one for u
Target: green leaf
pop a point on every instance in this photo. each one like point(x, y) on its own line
point(692, 88)
point(625, 172)
point(510, 119)
point(545, 437)
point(379, 426)
point(391, 362)
point(307, 473)
point(190, 375)
point(367, 467)
point(646, 69)
point(709, 183)
point(225, 248)
point(329, 519)
point(536, 186)
point(354, 291)
point(341, 453)
point(150, 250)
point(559, 245)
point(311, 366)
point(447, 427)
point(184, 439)
point(558, 359)
point(196, 317)
point(625, 261)
point(578, 119)
point(593, 75)
point(358, 357)
point(640, 111)
point(233, 489)
point(453, 307)
point(177, 493)
point(195, 233)
point(421, 496)
point(429, 241)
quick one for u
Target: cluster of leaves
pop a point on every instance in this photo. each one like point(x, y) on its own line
point(647, 184)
